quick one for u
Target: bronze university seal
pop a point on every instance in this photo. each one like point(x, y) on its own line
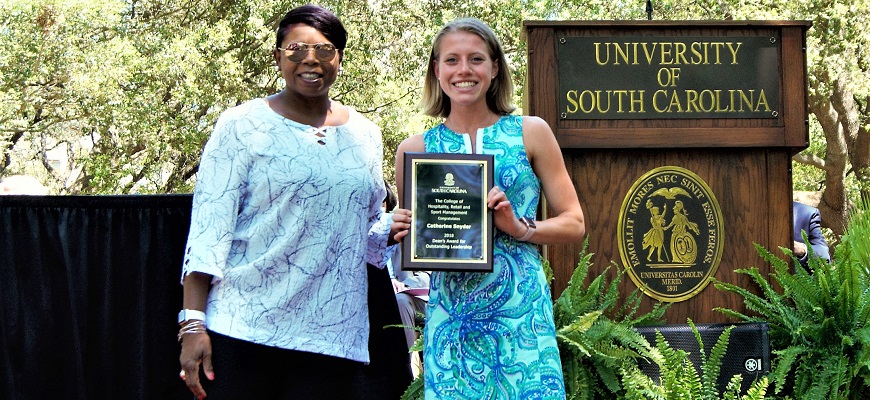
point(670, 234)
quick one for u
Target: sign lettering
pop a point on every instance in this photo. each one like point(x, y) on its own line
point(640, 77)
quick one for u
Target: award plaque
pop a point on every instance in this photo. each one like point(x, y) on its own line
point(451, 227)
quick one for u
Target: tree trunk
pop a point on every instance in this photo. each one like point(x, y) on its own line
point(832, 114)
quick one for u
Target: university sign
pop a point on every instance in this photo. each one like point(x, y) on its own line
point(668, 77)
point(660, 107)
point(670, 234)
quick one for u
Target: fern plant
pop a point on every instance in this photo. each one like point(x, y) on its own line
point(679, 379)
point(597, 343)
point(415, 390)
point(820, 319)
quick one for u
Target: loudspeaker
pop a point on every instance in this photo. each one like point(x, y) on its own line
point(747, 354)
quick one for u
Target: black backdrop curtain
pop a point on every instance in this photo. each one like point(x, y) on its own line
point(90, 292)
point(89, 296)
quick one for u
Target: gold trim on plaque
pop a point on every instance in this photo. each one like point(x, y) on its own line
point(453, 207)
point(452, 228)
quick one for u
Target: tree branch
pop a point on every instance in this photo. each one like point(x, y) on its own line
point(809, 159)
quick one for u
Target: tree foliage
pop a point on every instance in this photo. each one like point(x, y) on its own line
point(119, 96)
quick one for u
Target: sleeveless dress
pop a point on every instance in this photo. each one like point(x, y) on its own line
point(491, 335)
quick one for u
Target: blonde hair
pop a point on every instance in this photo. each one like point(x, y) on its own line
point(434, 103)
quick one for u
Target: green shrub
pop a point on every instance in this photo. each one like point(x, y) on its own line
point(597, 342)
point(679, 379)
point(818, 320)
point(600, 348)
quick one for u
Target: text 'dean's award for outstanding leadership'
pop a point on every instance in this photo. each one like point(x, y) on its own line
point(452, 227)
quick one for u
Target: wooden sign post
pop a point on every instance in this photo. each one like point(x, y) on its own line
point(678, 137)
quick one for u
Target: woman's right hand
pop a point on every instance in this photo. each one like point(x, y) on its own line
point(196, 350)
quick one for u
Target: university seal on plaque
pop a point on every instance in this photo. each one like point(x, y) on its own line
point(670, 234)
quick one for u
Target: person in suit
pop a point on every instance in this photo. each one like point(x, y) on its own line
point(808, 219)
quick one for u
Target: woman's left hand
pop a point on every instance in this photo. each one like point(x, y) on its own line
point(401, 224)
point(503, 213)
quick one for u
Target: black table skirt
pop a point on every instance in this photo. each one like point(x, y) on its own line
point(89, 293)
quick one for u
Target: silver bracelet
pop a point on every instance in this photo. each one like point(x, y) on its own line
point(193, 327)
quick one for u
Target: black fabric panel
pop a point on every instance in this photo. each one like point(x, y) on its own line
point(89, 294)
point(389, 372)
point(90, 289)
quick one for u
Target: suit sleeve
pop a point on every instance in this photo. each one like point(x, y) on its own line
point(817, 240)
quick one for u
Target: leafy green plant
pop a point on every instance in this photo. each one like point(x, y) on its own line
point(415, 390)
point(600, 348)
point(679, 379)
point(597, 342)
point(818, 320)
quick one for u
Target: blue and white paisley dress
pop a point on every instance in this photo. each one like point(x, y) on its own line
point(491, 335)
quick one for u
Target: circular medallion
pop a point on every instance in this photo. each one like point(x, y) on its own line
point(670, 234)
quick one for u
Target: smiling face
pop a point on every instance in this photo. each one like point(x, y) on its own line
point(464, 68)
point(310, 77)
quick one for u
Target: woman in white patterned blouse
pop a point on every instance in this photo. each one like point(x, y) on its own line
point(285, 207)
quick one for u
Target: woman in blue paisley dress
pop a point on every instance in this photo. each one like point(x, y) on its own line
point(491, 335)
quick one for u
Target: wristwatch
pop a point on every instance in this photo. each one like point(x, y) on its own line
point(188, 314)
point(530, 223)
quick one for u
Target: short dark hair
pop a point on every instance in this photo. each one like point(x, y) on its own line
point(318, 18)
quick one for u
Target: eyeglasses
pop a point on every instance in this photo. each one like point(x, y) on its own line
point(296, 52)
